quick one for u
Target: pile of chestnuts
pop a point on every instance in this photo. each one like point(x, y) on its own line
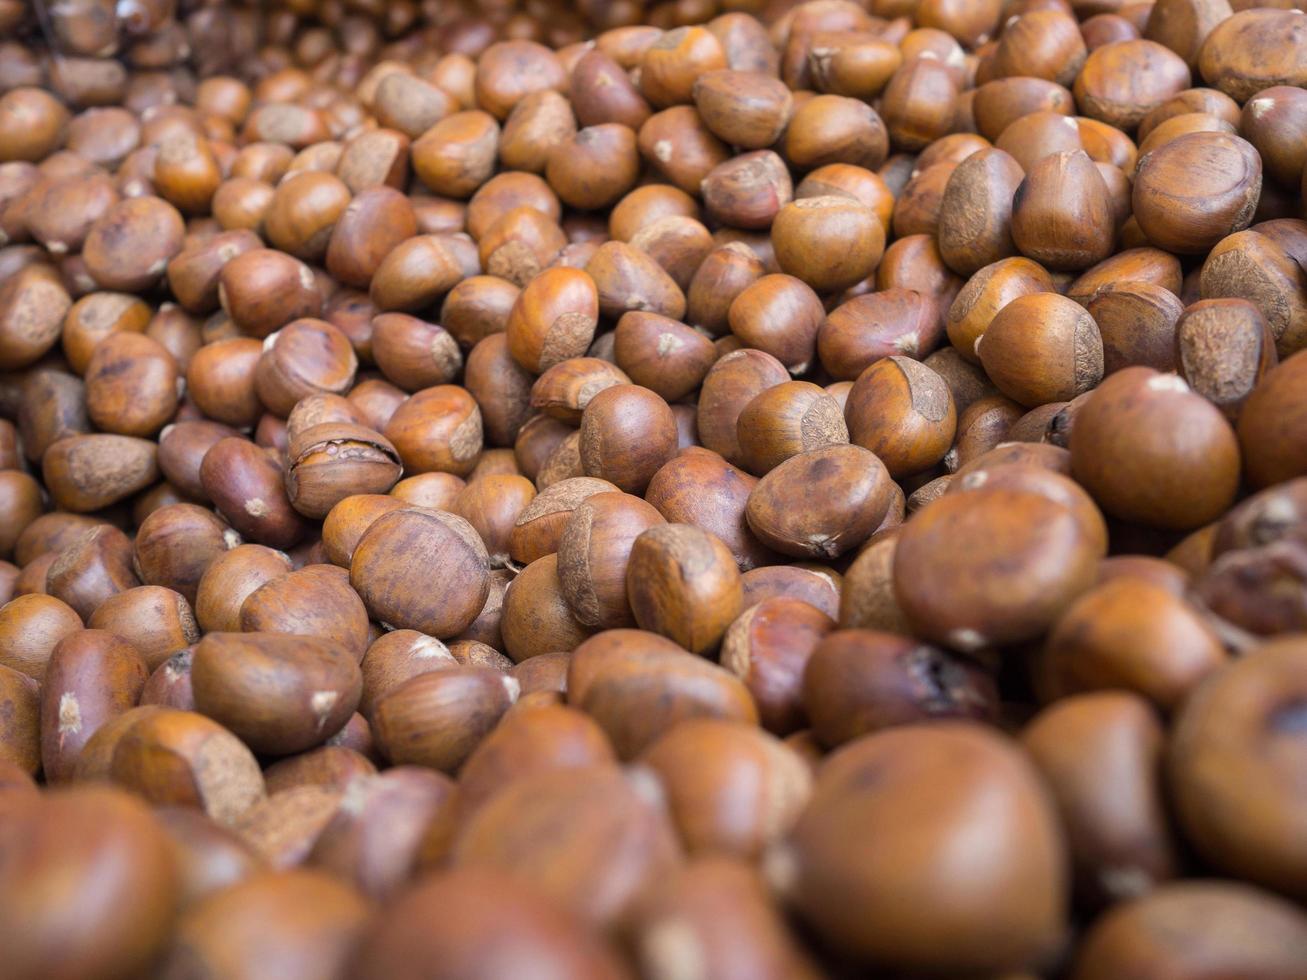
point(653, 490)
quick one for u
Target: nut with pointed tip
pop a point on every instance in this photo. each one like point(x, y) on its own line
point(177, 543)
point(699, 487)
point(890, 321)
point(779, 315)
point(91, 569)
point(247, 487)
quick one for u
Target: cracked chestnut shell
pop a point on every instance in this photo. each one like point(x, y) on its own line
point(334, 460)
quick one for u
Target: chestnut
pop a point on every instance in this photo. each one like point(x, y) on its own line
point(88, 472)
point(227, 928)
point(1138, 323)
point(333, 460)
point(248, 488)
point(129, 247)
point(975, 211)
point(1193, 191)
point(172, 757)
point(375, 843)
point(1007, 921)
point(593, 556)
point(831, 243)
point(785, 420)
point(1224, 347)
point(1042, 348)
point(748, 109)
point(279, 694)
point(536, 619)
point(858, 681)
point(1245, 927)
point(627, 433)
point(1061, 213)
point(820, 503)
point(903, 412)
point(958, 587)
point(76, 837)
point(683, 583)
point(553, 319)
point(1269, 424)
point(304, 357)
point(448, 552)
point(263, 289)
point(438, 718)
point(1150, 478)
point(437, 430)
point(315, 600)
point(91, 677)
point(1216, 772)
point(456, 918)
point(1241, 56)
point(714, 771)
point(1130, 635)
